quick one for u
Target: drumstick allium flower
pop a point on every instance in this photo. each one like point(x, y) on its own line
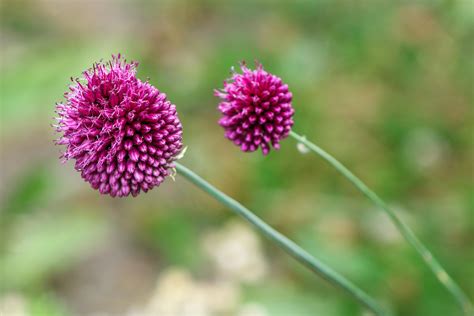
point(122, 133)
point(125, 137)
point(256, 109)
point(257, 112)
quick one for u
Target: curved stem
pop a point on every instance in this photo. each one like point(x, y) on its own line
point(281, 241)
point(407, 233)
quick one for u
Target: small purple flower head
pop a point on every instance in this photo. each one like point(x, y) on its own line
point(256, 109)
point(123, 133)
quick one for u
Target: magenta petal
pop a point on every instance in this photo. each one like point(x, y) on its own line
point(116, 126)
point(256, 109)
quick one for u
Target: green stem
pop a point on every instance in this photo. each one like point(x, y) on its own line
point(407, 233)
point(280, 240)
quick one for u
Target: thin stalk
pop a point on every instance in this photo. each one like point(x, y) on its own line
point(281, 241)
point(407, 233)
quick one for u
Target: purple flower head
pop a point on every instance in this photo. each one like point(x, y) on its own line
point(123, 133)
point(256, 109)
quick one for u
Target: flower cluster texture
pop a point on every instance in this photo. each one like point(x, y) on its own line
point(256, 109)
point(122, 132)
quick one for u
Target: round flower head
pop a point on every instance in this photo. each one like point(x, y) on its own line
point(123, 133)
point(256, 109)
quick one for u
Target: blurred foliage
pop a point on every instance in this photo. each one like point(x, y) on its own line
point(384, 85)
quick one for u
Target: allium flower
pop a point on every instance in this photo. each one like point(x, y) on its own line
point(123, 133)
point(256, 109)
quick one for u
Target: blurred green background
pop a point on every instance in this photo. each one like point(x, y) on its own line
point(386, 86)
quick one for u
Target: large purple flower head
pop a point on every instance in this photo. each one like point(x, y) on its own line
point(123, 133)
point(256, 109)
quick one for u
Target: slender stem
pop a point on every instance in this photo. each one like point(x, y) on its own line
point(407, 233)
point(280, 240)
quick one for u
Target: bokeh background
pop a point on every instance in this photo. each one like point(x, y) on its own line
point(386, 86)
